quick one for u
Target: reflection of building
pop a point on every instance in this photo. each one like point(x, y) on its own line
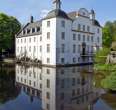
point(47, 41)
point(59, 88)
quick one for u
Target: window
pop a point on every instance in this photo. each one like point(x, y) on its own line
point(34, 84)
point(73, 93)
point(23, 32)
point(92, 38)
point(48, 71)
point(98, 30)
point(38, 29)
point(63, 48)
point(40, 76)
point(91, 49)
point(88, 38)
point(25, 48)
point(78, 90)
point(62, 96)
point(30, 40)
point(79, 37)
point(62, 60)
point(48, 35)
point(40, 48)
point(48, 23)
point(21, 41)
point(28, 31)
point(40, 85)
point(78, 59)
point(34, 48)
point(62, 71)
point(63, 35)
point(34, 39)
point(62, 83)
point(83, 38)
point(33, 30)
point(18, 49)
point(98, 40)
point(88, 28)
point(25, 40)
point(48, 83)
point(30, 48)
point(79, 27)
point(48, 60)
point(48, 95)
point(73, 81)
point(48, 106)
point(63, 23)
point(40, 38)
point(74, 36)
point(79, 48)
point(74, 60)
point(88, 48)
point(29, 82)
point(48, 48)
point(74, 48)
point(83, 27)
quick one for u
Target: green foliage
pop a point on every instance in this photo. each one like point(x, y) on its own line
point(110, 81)
point(9, 26)
point(101, 55)
point(109, 33)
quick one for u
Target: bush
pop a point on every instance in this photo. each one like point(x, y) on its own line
point(101, 55)
point(110, 82)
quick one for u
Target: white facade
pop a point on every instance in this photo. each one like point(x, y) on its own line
point(63, 39)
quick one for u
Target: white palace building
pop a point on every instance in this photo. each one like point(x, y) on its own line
point(60, 38)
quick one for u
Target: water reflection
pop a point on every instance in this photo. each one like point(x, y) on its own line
point(58, 88)
point(8, 90)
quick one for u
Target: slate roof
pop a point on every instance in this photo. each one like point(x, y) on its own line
point(73, 15)
point(37, 24)
point(57, 13)
point(96, 23)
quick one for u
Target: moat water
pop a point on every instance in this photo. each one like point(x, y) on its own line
point(25, 87)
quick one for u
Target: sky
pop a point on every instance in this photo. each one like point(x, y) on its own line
point(22, 9)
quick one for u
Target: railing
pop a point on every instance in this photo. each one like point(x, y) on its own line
point(87, 54)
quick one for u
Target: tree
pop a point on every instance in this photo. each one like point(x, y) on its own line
point(9, 26)
point(107, 37)
point(109, 33)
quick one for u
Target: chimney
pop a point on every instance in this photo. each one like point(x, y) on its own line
point(31, 19)
point(93, 14)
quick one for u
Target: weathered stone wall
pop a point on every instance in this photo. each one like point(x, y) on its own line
point(111, 58)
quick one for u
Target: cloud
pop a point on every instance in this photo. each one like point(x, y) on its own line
point(44, 13)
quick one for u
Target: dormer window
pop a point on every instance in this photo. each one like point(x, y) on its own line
point(38, 29)
point(23, 32)
point(33, 30)
point(28, 31)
